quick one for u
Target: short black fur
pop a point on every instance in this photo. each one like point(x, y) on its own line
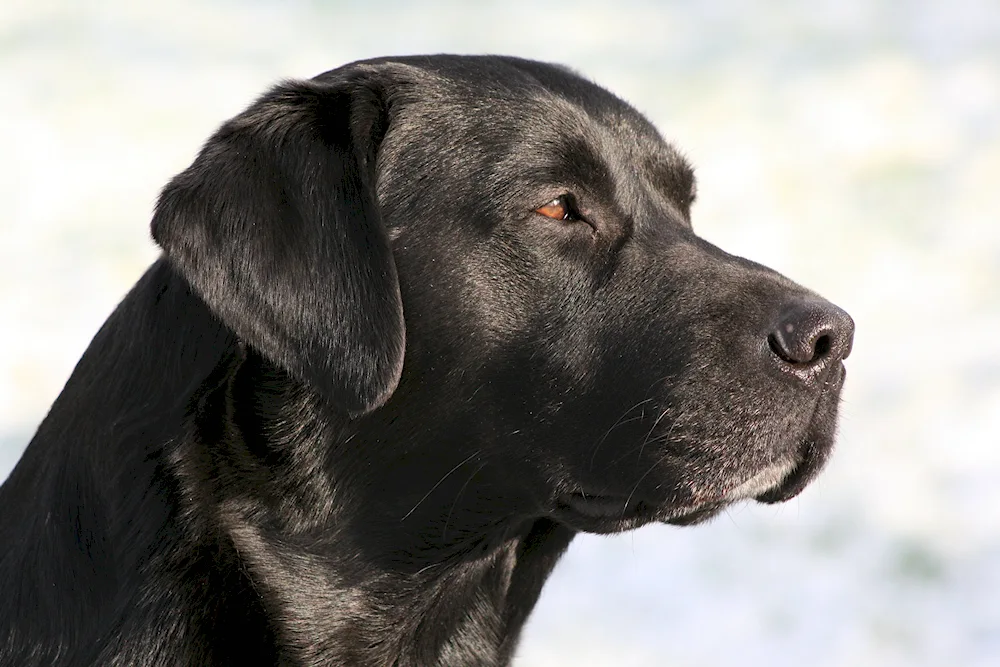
point(364, 401)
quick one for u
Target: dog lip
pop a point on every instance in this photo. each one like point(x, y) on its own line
point(814, 452)
point(598, 506)
point(795, 479)
point(764, 481)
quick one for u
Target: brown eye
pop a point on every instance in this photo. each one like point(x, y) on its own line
point(557, 209)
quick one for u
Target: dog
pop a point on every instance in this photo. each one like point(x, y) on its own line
point(417, 323)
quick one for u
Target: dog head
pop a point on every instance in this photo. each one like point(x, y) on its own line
point(488, 265)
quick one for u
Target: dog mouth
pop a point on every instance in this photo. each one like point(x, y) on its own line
point(780, 480)
point(607, 514)
point(777, 482)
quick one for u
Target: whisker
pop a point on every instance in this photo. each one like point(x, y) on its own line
point(621, 420)
point(653, 428)
point(444, 531)
point(446, 475)
point(642, 477)
point(665, 437)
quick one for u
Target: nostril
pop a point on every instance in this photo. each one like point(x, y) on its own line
point(822, 347)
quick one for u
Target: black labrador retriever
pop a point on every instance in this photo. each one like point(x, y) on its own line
point(418, 322)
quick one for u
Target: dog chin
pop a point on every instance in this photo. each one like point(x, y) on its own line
point(605, 515)
point(692, 517)
point(602, 515)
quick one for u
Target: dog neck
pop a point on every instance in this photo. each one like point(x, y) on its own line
point(341, 579)
point(467, 612)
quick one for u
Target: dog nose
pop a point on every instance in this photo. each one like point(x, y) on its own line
point(812, 334)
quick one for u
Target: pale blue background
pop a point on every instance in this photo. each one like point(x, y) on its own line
point(853, 145)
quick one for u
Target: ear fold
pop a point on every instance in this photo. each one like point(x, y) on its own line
point(276, 226)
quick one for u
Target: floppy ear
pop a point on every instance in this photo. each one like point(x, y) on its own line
point(276, 226)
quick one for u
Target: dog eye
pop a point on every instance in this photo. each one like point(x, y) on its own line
point(559, 208)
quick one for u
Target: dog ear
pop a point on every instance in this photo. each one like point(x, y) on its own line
point(277, 228)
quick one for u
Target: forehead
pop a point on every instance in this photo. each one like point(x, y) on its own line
point(540, 122)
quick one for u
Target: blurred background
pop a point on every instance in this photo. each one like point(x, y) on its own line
point(853, 145)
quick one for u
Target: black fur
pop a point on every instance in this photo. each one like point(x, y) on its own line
point(258, 462)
